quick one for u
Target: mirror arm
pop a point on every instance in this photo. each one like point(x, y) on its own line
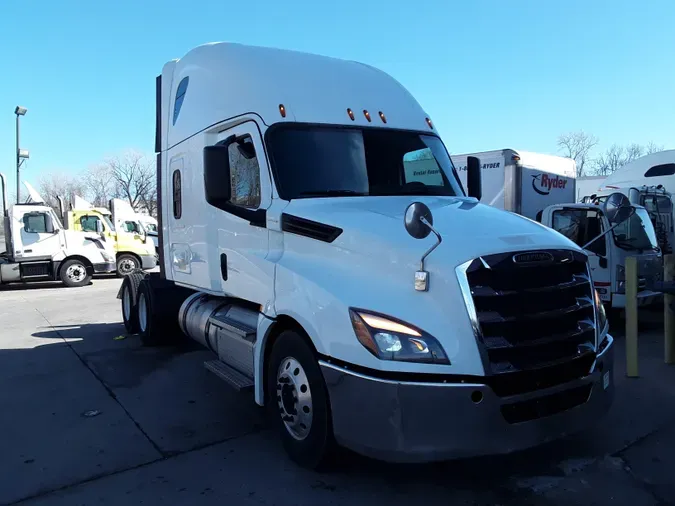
point(602, 235)
point(438, 236)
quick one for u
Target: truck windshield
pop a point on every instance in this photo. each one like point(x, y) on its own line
point(636, 233)
point(327, 161)
point(109, 223)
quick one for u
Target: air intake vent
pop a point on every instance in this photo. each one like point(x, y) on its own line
point(308, 228)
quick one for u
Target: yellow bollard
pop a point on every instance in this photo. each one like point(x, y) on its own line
point(631, 318)
point(668, 311)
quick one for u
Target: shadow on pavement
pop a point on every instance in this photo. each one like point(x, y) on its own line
point(100, 403)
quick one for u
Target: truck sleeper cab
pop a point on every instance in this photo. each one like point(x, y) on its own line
point(364, 304)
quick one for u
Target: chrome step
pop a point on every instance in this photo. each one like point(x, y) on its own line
point(230, 375)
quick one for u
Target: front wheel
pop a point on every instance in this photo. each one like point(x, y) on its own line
point(298, 402)
point(126, 264)
point(74, 273)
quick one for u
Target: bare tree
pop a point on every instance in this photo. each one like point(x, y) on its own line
point(577, 145)
point(610, 160)
point(134, 179)
point(652, 147)
point(100, 184)
point(633, 152)
point(60, 185)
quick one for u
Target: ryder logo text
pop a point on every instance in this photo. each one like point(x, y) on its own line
point(543, 183)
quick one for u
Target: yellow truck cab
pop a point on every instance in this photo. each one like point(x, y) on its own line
point(133, 248)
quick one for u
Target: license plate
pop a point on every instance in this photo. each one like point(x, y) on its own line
point(605, 380)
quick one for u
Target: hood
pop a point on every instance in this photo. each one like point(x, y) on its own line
point(468, 229)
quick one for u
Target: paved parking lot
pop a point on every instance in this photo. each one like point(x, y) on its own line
point(87, 417)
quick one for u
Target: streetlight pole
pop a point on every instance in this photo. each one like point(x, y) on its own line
point(19, 111)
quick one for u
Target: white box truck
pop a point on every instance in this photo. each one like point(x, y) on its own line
point(364, 307)
point(542, 187)
point(35, 246)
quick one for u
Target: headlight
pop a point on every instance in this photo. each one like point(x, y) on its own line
point(600, 311)
point(620, 279)
point(389, 339)
point(107, 256)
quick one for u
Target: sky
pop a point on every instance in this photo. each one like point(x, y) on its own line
point(491, 74)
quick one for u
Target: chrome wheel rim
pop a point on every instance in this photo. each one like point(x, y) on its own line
point(76, 272)
point(126, 266)
point(142, 312)
point(126, 303)
point(294, 398)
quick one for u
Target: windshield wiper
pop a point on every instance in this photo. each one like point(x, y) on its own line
point(332, 193)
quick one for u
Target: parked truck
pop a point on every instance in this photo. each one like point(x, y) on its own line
point(133, 248)
point(36, 247)
point(542, 188)
point(363, 306)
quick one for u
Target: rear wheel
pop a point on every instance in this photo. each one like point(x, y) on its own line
point(74, 273)
point(298, 402)
point(126, 264)
point(157, 306)
point(129, 296)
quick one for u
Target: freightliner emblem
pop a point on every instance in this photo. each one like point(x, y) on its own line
point(533, 257)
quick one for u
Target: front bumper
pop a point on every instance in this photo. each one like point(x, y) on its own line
point(105, 268)
point(644, 298)
point(148, 262)
point(401, 421)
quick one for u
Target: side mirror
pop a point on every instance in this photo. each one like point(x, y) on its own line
point(99, 227)
point(49, 225)
point(617, 208)
point(474, 177)
point(413, 220)
point(217, 186)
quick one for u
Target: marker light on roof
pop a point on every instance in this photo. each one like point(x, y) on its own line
point(367, 115)
point(351, 114)
point(282, 110)
point(429, 123)
point(384, 120)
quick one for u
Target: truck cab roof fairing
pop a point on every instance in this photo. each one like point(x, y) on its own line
point(229, 80)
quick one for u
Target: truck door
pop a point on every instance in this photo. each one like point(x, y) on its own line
point(224, 247)
point(580, 225)
point(39, 238)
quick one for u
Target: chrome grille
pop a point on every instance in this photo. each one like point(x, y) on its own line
point(533, 320)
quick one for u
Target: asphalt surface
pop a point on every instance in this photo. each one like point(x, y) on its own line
point(89, 416)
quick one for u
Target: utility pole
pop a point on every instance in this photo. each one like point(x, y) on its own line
point(21, 154)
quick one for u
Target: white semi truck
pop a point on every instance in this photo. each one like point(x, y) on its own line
point(364, 307)
point(542, 188)
point(38, 248)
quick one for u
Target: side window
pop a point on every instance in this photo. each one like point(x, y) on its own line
point(580, 226)
point(177, 203)
point(180, 96)
point(88, 223)
point(420, 166)
point(666, 169)
point(244, 173)
point(35, 223)
point(131, 227)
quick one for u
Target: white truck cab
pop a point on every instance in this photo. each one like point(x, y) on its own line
point(607, 255)
point(38, 248)
point(541, 187)
point(363, 304)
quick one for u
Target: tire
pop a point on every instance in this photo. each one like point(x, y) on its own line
point(75, 273)
point(307, 438)
point(157, 305)
point(126, 264)
point(129, 297)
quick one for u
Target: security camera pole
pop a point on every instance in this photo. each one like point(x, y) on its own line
point(21, 154)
